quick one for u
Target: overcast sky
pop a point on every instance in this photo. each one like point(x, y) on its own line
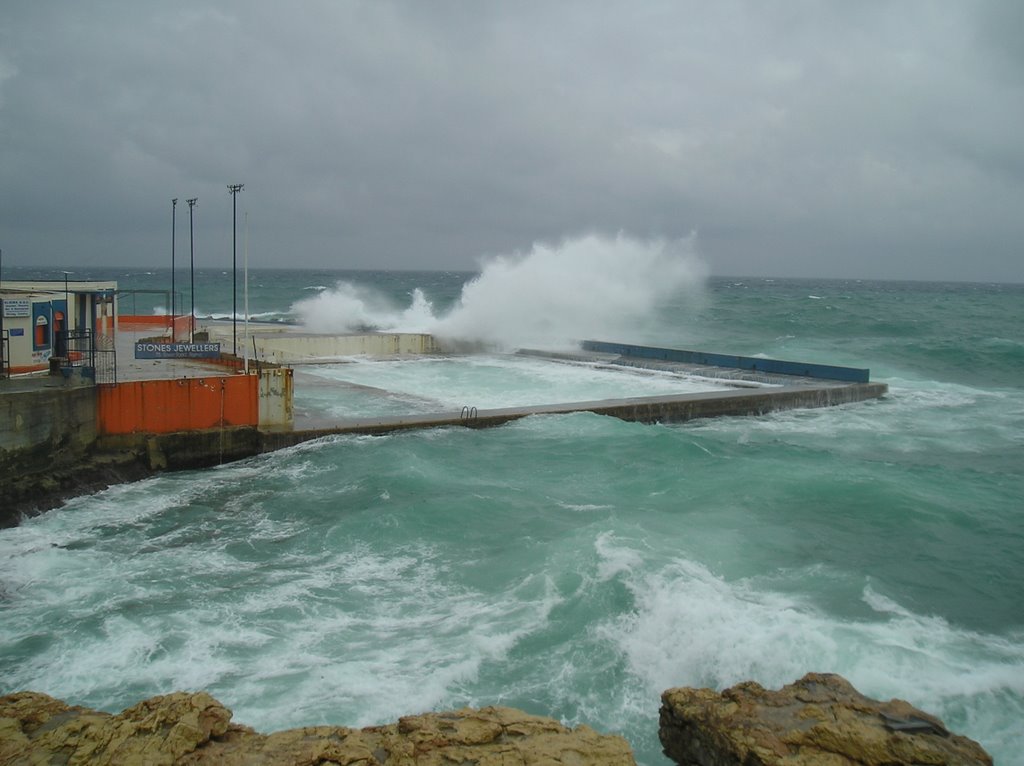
point(861, 139)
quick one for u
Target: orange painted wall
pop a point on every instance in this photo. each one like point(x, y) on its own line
point(182, 323)
point(165, 406)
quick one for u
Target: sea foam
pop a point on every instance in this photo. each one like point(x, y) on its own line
point(692, 627)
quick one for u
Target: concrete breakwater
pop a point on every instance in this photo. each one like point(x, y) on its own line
point(61, 437)
point(54, 446)
point(113, 458)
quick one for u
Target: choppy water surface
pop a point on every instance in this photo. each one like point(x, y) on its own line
point(576, 566)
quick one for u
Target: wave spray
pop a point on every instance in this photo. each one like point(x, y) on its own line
point(549, 297)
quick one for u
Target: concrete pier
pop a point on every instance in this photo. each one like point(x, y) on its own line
point(759, 386)
point(196, 449)
point(55, 441)
point(677, 408)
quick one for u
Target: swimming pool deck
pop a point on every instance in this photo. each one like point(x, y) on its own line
point(750, 392)
point(643, 409)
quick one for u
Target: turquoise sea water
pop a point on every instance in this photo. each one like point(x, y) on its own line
point(573, 566)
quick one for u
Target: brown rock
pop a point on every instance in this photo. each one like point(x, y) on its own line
point(185, 728)
point(821, 719)
point(37, 728)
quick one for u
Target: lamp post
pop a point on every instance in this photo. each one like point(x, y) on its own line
point(62, 345)
point(67, 302)
point(3, 357)
point(174, 207)
point(191, 271)
point(233, 189)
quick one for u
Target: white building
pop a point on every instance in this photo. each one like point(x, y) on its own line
point(36, 316)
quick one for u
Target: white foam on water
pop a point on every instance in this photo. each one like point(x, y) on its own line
point(107, 617)
point(263, 316)
point(341, 633)
point(83, 518)
point(414, 641)
point(914, 418)
point(691, 627)
point(494, 381)
point(583, 507)
point(615, 559)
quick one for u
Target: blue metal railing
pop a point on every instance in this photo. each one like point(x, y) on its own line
point(756, 364)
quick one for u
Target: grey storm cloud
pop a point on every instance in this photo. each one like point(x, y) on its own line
point(869, 139)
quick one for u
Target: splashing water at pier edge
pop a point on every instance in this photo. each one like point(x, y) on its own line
point(576, 565)
point(551, 296)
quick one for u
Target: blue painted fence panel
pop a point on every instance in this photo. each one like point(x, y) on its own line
point(778, 366)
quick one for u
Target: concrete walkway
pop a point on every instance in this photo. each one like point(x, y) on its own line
point(676, 408)
point(130, 369)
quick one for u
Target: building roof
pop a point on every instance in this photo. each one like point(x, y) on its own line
point(56, 286)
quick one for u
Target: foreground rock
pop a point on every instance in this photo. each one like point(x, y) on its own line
point(820, 719)
point(196, 729)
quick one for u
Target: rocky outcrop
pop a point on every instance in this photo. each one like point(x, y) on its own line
point(820, 719)
point(185, 728)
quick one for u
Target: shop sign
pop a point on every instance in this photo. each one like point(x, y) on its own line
point(148, 350)
point(17, 307)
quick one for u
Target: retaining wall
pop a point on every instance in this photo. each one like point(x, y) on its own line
point(45, 434)
point(183, 449)
point(297, 347)
point(182, 404)
point(276, 394)
point(53, 416)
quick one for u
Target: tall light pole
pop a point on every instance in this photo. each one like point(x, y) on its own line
point(3, 358)
point(191, 271)
point(174, 207)
point(62, 345)
point(233, 189)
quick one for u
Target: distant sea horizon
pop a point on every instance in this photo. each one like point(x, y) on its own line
point(58, 270)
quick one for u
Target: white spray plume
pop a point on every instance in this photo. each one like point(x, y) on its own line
point(550, 297)
point(348, 307)
point(586, 287)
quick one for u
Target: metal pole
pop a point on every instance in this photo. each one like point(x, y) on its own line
point(63, 345)
point(192, 270)
point(174, 208)
point(245, 343)
point(234, 189)
point(3, 359)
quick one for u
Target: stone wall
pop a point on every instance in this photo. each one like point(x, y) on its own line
point(284, 348)
point(45, 434)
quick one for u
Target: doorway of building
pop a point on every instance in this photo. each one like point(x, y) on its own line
point(60, 337)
